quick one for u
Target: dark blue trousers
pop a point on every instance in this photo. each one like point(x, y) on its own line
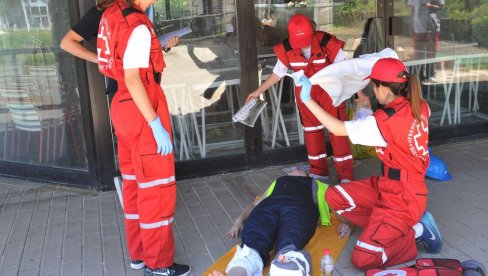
point(288, 217)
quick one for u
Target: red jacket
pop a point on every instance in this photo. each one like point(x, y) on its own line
point(407, 139)
point(116, 25)
point(324, 50)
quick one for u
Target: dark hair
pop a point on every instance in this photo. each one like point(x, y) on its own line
point(103, 4)
point(409, 89)
point(314, 25)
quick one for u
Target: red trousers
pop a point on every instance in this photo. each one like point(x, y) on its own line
point(315, 139)
point(386, 210)
point(149, 187)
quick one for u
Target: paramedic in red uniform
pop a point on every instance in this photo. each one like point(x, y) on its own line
point(129, 51)
point(390, 208)
point(309, 50)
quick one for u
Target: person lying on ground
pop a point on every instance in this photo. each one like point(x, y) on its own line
point(284, 216)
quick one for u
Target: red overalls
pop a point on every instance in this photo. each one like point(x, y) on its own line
point(387, 207)
point(323, 52)
point(149, 189)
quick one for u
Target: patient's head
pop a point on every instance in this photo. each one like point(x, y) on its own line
point(297, 172)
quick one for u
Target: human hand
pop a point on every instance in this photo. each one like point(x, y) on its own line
point(363, 99)
point(306, 88)
point(235, 230)
point(254, 94)
point(163, 141)
point(344, 230)
point(172, 42)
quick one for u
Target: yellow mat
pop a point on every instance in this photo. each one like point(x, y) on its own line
point(324, 237)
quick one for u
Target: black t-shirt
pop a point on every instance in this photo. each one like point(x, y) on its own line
point(87, 28)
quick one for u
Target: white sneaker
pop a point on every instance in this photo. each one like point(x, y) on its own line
point(248, 259)
point(137, 264)
point(296, 263)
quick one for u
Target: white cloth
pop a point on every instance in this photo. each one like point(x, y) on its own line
point(365, 132)
point(343, 79)
point(280, 69)
point(138, 48)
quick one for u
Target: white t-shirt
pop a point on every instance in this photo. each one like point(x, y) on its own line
point(138, 48)
point(365, 132)
point(280, 69)
point(420, 13)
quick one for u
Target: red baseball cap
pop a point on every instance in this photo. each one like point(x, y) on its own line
point(300, 31)
point(387, 70)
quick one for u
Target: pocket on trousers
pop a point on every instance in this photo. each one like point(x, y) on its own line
point(157, 165)
point(127, 119)
point(387, 233)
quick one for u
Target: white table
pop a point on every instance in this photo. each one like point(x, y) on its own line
point(456, 80)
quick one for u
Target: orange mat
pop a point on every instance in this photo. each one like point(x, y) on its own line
point(324, 237)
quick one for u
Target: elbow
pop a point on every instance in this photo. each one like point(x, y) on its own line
point(63, 45)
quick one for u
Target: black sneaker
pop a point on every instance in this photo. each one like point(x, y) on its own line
point(174, 270)
point(137, 264)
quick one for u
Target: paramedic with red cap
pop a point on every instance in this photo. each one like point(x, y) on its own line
point(309, 50)
point(390, 208)
point(129, 51)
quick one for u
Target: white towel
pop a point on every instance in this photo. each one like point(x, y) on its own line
point(343, 79)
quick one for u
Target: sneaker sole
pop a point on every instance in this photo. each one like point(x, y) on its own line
point(432, 222)
point(185, 273)
point(137, 266)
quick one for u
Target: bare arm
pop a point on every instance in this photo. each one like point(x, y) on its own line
point(236, 228)
point(433, 7)
point(333, 124)
point(139, 95)
point(270, 81)
point(71, 43)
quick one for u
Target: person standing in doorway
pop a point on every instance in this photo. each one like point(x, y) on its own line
point(129, 51)
point(426, 27)
point(310, 50)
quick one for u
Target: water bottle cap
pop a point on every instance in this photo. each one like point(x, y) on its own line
point(326, 251)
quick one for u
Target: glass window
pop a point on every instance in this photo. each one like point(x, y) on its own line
point(40, 120)
point(345, 19)
point(444, 42)
point(202, 76)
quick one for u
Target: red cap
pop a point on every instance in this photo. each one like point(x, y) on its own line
point(300, 31)
point(326, 251)
point(387, 70)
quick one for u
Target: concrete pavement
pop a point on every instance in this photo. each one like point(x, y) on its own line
point(53, 230)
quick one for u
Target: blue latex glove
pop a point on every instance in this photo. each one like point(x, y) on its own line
point(306, 88)
point(161, 136)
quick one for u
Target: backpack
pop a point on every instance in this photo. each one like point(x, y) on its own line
point(425, 267)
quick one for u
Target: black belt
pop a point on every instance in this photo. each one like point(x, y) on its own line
point(156, 78)
point(400, 175)
point(392, 173)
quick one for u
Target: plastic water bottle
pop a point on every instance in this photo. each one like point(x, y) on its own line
point(327, 263)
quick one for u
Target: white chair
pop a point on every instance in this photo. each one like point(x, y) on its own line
point(26, 117)
point(184, 124)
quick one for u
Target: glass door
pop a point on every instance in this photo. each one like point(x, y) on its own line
point(202, 77)
point(445, 43)
point(281, 125)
